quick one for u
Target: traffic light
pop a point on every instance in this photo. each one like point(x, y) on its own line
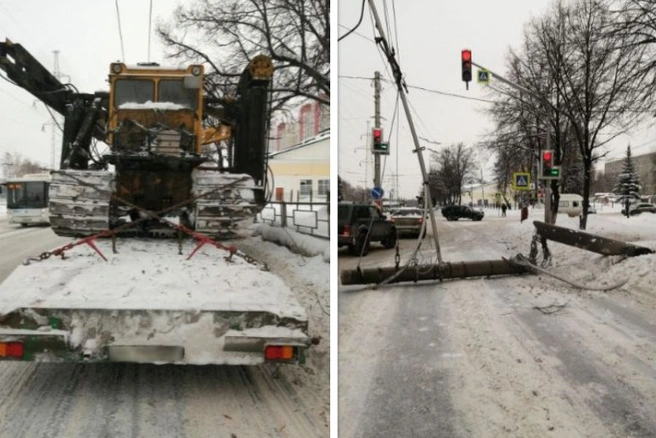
point(547, 169)
point(379, 146)
point(466, 66)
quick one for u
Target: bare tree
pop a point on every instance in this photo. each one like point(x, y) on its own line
point(522, 120)
point(452, 168)
point(635, 22)
point(15, 165)
point(589, 78)
point(602, 82)
point(349, 192)
point(226, 34)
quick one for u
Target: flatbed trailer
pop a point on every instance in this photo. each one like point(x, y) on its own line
point(149, 303)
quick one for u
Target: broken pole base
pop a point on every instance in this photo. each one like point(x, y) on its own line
point(589, 242)
point(446, 270)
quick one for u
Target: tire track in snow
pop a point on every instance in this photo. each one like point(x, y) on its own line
point(409, 395)
point(285, 404)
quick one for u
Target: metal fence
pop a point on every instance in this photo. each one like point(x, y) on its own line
point(311, 218)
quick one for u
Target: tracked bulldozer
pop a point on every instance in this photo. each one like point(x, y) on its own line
point(173, 153)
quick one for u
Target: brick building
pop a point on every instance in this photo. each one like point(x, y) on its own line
point(312, 119)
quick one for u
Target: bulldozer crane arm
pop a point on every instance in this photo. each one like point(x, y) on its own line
point(84, 113)
point(23, 69)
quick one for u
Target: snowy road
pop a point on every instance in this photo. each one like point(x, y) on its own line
point(132, 400)
point(474, 358)
point(17, 243)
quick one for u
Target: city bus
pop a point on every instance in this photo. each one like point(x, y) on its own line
point(27, 199)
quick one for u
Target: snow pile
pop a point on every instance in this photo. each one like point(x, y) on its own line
point(147, 274)
point(300, 243)
point(152, 105)
point(3, 210)
point(309, 280)
point(592, 268)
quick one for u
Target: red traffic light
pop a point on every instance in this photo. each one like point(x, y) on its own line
point(377, 132)
point(466, 66)
point(546, 155)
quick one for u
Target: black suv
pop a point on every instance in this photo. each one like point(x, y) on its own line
point(361, 224)
point(455, 212)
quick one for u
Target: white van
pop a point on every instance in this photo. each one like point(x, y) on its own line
point(570, 203)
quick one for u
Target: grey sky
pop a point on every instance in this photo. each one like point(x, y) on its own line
point(86, 34)
point(430, 35)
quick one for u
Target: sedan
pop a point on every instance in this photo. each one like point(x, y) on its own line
point(408, 220)
point(640, 208)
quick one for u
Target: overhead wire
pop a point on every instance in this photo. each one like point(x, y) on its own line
point(387, 20)
point(396, 34)
point(382, 55)
point(54, 119)
point(359, 34)
point(356, 26)
point(429, 90)
point(360, 92)
point(150, 27)
point(27, 32)
point(120, 32)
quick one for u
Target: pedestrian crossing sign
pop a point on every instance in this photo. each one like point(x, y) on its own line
point(483, 76)
point(521, 181)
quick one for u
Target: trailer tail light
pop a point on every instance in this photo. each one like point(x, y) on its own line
point(347, 230)
point(279, 352)
point(11, 349)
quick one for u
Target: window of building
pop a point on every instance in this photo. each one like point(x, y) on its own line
point(306, 187)
point(324, 187)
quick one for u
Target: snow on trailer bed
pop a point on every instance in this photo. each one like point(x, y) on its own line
point(147, 303)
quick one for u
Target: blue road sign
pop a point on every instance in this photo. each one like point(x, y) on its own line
point(377, 192)
point(521, 181)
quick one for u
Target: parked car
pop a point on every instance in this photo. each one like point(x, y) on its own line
point(409, 220)
point(360, 224)
point(455, 212)
point(636, 209)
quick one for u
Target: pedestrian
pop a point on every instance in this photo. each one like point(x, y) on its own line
point(503, 210)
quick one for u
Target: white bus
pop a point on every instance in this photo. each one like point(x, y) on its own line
point(27, 199)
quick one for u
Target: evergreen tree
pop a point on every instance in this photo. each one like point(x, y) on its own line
point(627, 185)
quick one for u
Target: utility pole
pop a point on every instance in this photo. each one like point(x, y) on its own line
point(367, 148)
point(547, 184)
point(482, 189)
point(377, 125)
point(402, 88)
point(54, 124)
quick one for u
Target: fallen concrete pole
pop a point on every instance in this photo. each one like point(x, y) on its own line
point(480, 268)
point(589, 242)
